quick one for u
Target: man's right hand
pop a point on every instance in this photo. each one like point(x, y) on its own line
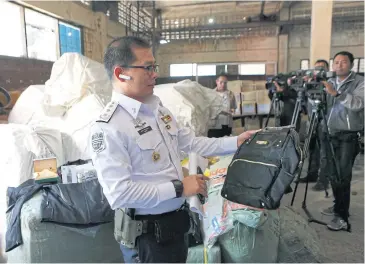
point(278, 87)
point(194, 184)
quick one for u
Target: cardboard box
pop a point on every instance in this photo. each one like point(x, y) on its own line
point(263, 108)
point(260, 85)
point(249, 108)
point(247, 86)
point(235, 86)
point(45, 170)
point(262, 97)
point(249, 96)
point(237, 123)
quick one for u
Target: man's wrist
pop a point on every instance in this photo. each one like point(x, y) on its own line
point(179, 188)
point(337, 94)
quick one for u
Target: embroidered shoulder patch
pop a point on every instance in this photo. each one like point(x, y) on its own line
point(97, 142)
point(108, 112)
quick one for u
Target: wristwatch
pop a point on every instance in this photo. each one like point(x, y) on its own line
point(179, 187)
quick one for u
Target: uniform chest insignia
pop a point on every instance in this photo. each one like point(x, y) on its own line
point(155, 156)
point(166, 119)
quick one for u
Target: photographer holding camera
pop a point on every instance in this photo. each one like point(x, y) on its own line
point(345, 118)
point(286, 103)
point(314, 148)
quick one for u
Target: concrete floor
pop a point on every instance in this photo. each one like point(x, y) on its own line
point(341, 246)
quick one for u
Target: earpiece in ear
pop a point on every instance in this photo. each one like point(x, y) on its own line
point(125, 77)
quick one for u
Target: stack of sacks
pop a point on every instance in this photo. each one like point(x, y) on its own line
point(70, 101)
point(20, 145)
point(191, 104)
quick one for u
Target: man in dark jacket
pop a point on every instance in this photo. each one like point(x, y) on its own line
point(287, 99)
point(345, 118)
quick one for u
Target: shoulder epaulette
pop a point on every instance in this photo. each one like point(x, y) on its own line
point(108, 112)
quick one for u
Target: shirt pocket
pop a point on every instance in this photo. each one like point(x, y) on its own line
point(154, 154)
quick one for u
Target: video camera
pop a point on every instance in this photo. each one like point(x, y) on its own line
point(309, 80)
point(281, 79)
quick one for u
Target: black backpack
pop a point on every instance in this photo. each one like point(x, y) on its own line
point(263, 168)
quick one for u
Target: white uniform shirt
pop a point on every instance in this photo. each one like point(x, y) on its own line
point(229, 102)
point(136, 154)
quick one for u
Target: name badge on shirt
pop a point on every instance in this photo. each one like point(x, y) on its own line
point(166, 119)
point(144, 130)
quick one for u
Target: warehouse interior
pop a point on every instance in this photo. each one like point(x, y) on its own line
point(60, 44)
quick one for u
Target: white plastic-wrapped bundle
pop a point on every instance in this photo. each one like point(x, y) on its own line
point(72, 78)
point(28, 105)
point(76, 127)
point(191, 104)
point(70, 101)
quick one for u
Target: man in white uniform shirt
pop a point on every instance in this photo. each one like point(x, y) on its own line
point(223, 124)
point(135, 146)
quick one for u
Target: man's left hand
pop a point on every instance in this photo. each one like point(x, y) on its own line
point(245, 135)
point(329, 88)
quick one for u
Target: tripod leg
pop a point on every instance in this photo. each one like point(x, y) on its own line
point(309, 135)
point(296, 113)
point(270, 112)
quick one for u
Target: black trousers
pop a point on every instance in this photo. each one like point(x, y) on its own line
point(346, 148)
point(149, 251)
point(314, 157)
point(217, 133)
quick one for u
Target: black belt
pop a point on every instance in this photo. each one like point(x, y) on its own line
point(148, 221)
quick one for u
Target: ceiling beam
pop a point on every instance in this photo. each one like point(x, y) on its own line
point(259, 24)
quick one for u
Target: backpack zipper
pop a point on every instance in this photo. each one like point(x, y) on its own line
point(255, 162)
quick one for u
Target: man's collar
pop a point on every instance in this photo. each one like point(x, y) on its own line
point(133, 106)
point(348, 77)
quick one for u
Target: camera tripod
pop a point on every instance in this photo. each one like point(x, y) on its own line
point(273, 107)
point(298, 106)
point(317, 113)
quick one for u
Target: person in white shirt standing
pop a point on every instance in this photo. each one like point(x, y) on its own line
point(222, 125)
point(135, 147)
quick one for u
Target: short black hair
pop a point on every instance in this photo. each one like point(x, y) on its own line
point(345, 53)
point(120, 52)
point(323, 61)
point(222, 74)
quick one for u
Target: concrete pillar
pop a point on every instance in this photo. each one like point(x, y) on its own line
point(283, 54)
point(321, 29)
point(96, 40)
